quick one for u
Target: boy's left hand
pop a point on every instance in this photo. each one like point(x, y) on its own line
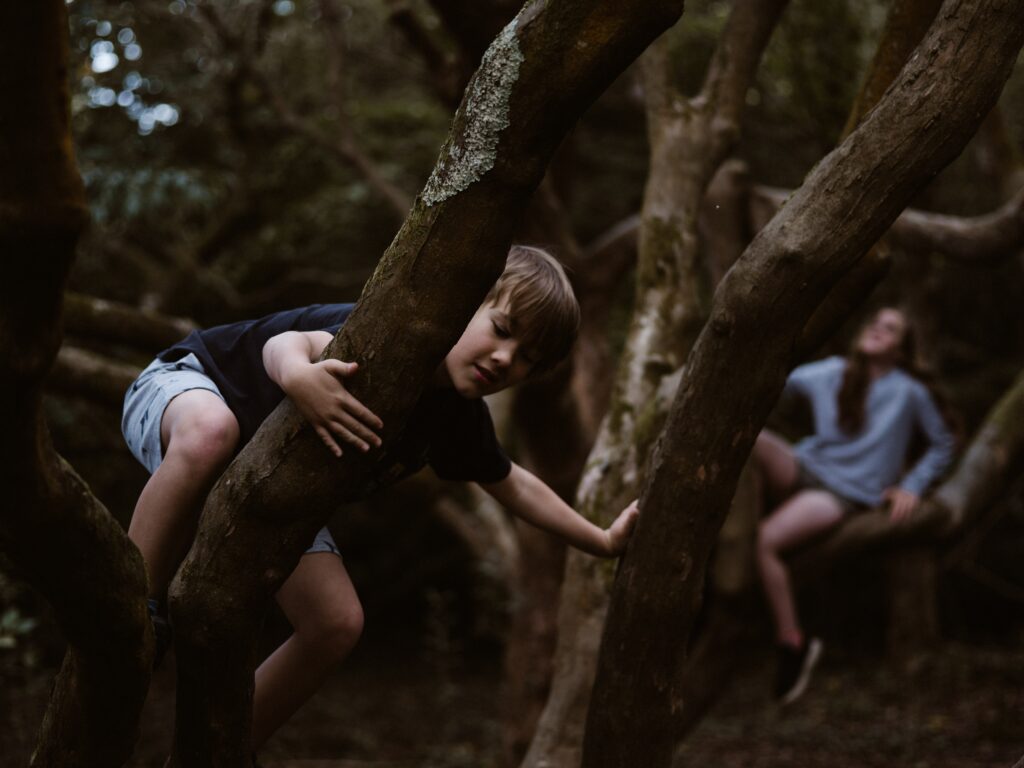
point(618, 533)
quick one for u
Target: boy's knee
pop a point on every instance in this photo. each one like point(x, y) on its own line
point(337, 634)
point(205, 440)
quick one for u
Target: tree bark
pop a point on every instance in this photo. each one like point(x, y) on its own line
point(905, 26)
point(760, 309)
point(52, 529)
point(689, 140)
point(272, 499)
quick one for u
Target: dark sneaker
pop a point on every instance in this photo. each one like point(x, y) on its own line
point(795, 668)
point(161, 629)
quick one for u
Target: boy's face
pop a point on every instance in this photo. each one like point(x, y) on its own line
point(488, 358)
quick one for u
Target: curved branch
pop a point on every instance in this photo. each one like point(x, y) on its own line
point(105, 320)
point(344, 148)
point(987, 237)
point(80, 372)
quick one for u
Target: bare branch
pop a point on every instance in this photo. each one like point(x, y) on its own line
point(344, 148)
point(101, 319)
point(987, 237)
point(449, 73)
point(80, 372)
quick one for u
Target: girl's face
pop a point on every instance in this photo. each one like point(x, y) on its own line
point(882, 338)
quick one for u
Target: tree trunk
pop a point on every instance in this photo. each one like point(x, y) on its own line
point(275, 495)
point(760, 309)
point(689, 140)
point(913, 625)
point(57, 535)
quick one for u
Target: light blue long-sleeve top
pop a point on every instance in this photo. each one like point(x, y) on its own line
point(861, 466)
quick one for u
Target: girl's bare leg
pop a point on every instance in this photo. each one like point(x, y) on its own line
point(321, 603)
point(777, 463)
point(799, 519)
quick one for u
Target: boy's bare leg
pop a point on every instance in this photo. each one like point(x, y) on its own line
point(321, 603)
point(199, 435)
point(802, 517)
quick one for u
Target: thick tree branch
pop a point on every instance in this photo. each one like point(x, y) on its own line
point(52, 529)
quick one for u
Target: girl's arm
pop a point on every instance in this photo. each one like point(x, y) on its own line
point(317, 389)
point(528, 497)
point(941, 445)
point(904, 498)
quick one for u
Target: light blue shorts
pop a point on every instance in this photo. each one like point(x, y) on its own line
point(144, 406)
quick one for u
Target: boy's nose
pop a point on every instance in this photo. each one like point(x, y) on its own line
point(503, 354)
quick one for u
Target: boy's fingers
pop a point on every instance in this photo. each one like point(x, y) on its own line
point(360, 411)
point(353, 425)
point(339, 367)
point(345, 434)
point(325, 435)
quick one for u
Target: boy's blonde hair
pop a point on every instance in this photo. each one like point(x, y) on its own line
point(542, 306)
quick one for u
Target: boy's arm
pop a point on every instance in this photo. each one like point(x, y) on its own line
point(528, 497)
point(317, 390)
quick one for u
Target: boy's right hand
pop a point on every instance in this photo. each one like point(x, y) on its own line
point(318, 391)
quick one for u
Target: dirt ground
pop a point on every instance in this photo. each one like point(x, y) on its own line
point(961, 706)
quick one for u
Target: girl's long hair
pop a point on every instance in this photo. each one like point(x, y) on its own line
point(853, 392)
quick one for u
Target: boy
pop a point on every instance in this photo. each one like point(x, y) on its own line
point(194, 407)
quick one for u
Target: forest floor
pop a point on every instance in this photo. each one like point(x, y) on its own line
point(962, 706)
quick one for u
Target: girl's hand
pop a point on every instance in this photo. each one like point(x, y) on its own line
point(618, 533)
point(901, 503)
point(318, 391)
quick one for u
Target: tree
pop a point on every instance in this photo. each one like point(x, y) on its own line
point(52, 529)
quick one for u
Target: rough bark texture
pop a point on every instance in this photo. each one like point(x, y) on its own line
point(689, 140)
point(272, 499)
point(57, 535)
point(905, 26)
point(760, 309)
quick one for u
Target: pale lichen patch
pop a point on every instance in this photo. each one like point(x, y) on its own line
point(466, 158)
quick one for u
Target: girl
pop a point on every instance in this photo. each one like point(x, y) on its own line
point(866, 409)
